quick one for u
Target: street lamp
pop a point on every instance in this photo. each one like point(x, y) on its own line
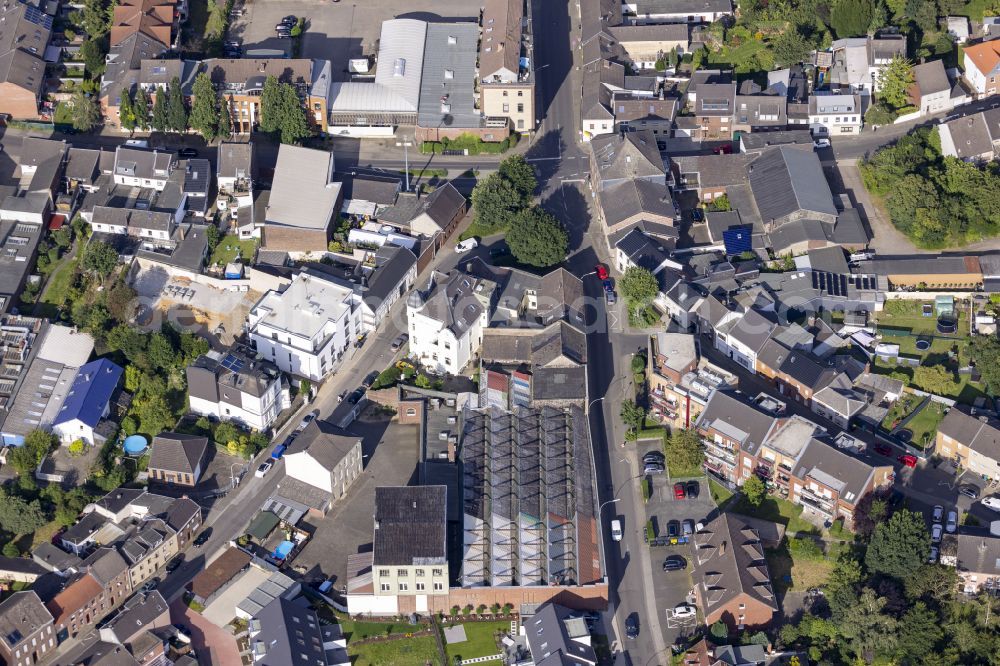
point(610, 501)
point(232, 477)
point(595, 400)
point(406, 159)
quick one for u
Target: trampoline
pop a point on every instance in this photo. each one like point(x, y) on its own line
point(134, 445)
point(947, 325)
point(283, 549)
point(922, 345)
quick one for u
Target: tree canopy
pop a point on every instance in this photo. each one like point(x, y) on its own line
point(537, 238)
point(639, 285)
point(86, 115)
point(495, 203)
point(519, 173)
point(100, 258)
point(899, 546)
point(20, 517)
point(684, 450)
point(754, 490)
point(851, 18)
point(204, 110)
point(894, 81)
point(177, 115)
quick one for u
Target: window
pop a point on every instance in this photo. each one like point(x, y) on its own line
point(385, 587)
point(403, 587)
point(438, 587)
point(383, 572)
point(419, 572)
point(437, 572)
point(506, 108)
point(411, 411)
point(504, 93)
point(420, 587)
point(520, 93)
point(402, 573)
point(520, 108)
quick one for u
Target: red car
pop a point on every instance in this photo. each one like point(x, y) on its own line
point(883, 450)
point(908, 460)
point(602, 272)
point(679, 491)
point(725, 149)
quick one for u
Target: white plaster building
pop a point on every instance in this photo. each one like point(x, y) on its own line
point(307, 329)
point(835, 115)
point(446, 321)
point(236, 387)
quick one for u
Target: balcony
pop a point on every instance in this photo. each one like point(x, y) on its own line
point(715, 451)
point(824, 504)
point(818, 506)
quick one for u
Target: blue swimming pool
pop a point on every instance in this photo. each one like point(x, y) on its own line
point(135, 445)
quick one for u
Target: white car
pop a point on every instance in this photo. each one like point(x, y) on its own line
point(936, 533)
point(466, 245)
point(685, 610)
point(992, 503)
point(938, 513)
point(821, 143)
point(263, 469)
point(952, 523)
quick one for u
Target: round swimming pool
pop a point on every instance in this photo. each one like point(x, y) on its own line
point(134, 445)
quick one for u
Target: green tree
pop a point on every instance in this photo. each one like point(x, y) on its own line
point(10, 549)
point(894, 81)
point(293, 124)
point(177, 116)
point(495, 203)
point(225, 432)
point(867, 628)
point(129, 342)
point(96, 17)
point(639, 285)
point(684, 450)
point(92, 53)
point(20, 517)
point(899, 546)
point(225, 119)
point(305, 386)
point(205, 108)
point(126, 115)
point(878, 114)
point(754, 490)
point(986, 352)
point(121, 301)
point(919, 632)
point(133, 376)
point(270, 105)
point(851, 18)
point(86, 115)
point(537, 238)
point(100, 259)
point(935, 379)
point(161, 119)
point(790, 47)
point(516, 170)
point(633, 415)
point(140, 107)
point(161, 353)
point(149, 407)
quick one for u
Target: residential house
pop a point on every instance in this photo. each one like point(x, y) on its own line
point(638, 249)
point(710, 176)
point(680, 384)
point(385, 276)
point(83, 168)
point(196, 185)
point(89, 596)
point(88, 403)
point(506, 69)
point(732, 581)
point(19, 243)
point(557, 635)
point(26, 627)
point(141, 614)
point(835, 115)
point(55, 559)
point(715, 110)
point(367, 195)
point(177, 459)
point(743, 337)
point(857, 62)
point(526, 300)
point(304, 201)
point(288, 631)
point(435, 215)
point(981, 63)
point(973, 442)
point(931, 91)
point(618, 162)
point(838, 402)
point(646, 44)
point(655, 115)
point(760, 113)
point(155, 18)
point(143, 168)
point(602, 79)
point(976, 558)
point(132, 63)
point(796, 373)
point(237, 387)
point(307, 329)
point(973, 138)
point(234, 176)
point(323, 460)
point(625, 205)
point(24, 36)
point(677, 11)
point(446, 321)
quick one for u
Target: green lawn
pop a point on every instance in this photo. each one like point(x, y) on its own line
point(720, 493)
point(406, 651)
point(924, 425)
point(736, 56)
point(230, 247)
point(480, 641)
point(56, 288)
point(479, 231)
point(804, 572)
point(908, 315)
point(354, 630)
point(776, 510)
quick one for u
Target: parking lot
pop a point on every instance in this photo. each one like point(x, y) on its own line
point(336, 31)
point(664, 510)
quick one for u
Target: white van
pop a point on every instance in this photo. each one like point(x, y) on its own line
point(466, 245)
point(616, 530)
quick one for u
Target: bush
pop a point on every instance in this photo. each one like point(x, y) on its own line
point(471, 143)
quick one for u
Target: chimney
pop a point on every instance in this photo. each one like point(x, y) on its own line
point(722, 549)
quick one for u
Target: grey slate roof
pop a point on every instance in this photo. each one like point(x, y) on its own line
point(790, 180)
point(552, 637)
point(21, 615)
point(634, 155)
point(798, 365)
point(290, 634)
point(682, 6)
point(740, 421)
point(382, 190)
point(980, 435)
point(930, 77)
point(54, 558)
point(410, 525)
point(977, 554)
point(643, 250)
point(451, 302)
point(755, 141)
point(728, 562)
point(324, 443)
point(141, 163)
point(635, 197)
point(847, 475)
point(440, 57)
point(177, 452)
point(235, 160)
point(105, 564)
point(22, 565)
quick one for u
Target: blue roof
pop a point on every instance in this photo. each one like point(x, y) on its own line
point(91, 392)
point(737, 239)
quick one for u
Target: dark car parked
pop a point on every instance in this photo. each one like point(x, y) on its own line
point(674, 563)
point(693, 488)
point(673, 528)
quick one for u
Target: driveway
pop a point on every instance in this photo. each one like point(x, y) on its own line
point(212, 644)
point(886, 238)
point(222, 610)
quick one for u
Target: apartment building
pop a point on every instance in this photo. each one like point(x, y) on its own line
point(320, 466)
point(307, 329)
point(681, 384)
point(447, 320)
point(143, 168)
point(304, 201)
point(506, 65)
point(237, 387)
point(410, 553)
point(732, 431)
point(100, 586)
point(835, 115)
